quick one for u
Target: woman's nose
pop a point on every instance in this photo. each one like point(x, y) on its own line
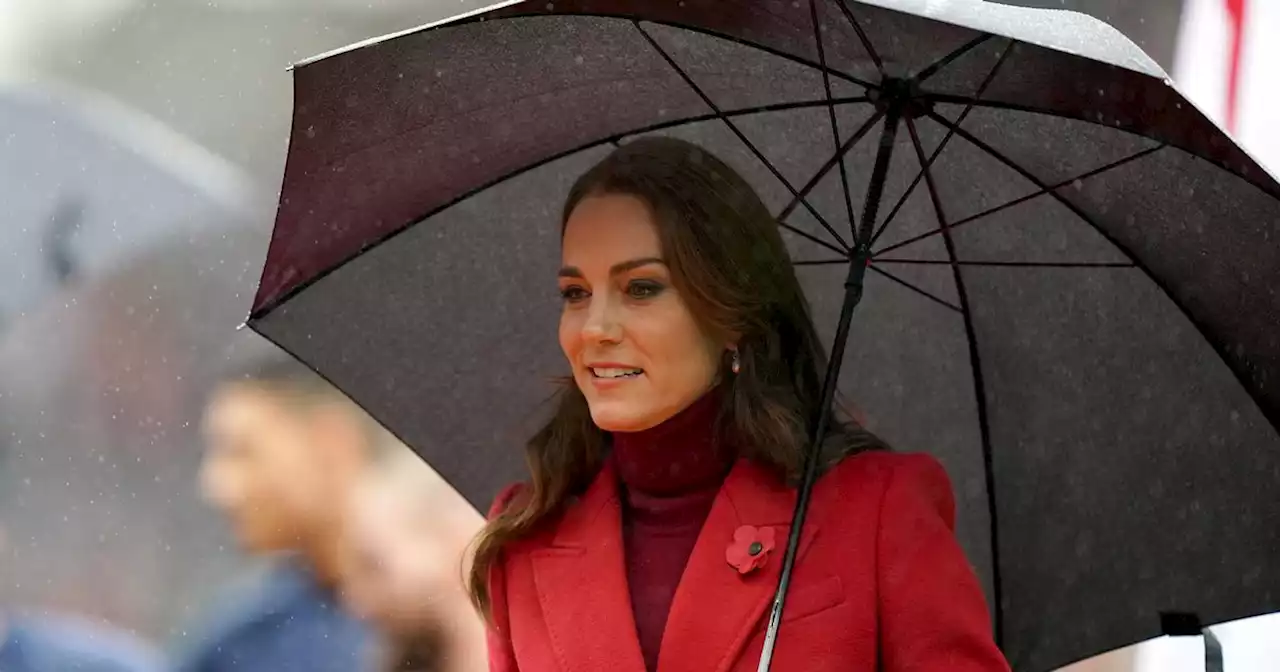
point(601, 324)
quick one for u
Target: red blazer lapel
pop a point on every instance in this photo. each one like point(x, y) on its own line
point(581, 580)
point(716, 608)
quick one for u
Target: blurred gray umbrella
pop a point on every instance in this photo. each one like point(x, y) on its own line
point(214, 71)
point(101, 390)
point(86, 182)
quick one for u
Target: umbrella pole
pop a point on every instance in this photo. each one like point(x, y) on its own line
point(1212, 652)
point(859, 259)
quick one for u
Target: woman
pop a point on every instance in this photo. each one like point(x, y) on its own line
point(651, 535)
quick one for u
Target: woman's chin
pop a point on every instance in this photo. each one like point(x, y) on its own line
point(621, 417)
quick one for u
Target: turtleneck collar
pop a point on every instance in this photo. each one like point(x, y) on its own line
point(684, 454)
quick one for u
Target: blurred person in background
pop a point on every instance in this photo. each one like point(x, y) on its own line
point(406, 545)
point(284, 452)
point(33, 641)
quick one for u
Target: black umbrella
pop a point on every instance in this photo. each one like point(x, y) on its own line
point(1067, 274)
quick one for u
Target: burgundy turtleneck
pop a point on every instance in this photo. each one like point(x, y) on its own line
point(670, 476)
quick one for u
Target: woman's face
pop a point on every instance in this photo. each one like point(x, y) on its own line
point(637, 353)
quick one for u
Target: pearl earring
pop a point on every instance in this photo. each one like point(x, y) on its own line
point(736, 364)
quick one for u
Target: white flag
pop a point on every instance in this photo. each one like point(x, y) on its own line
point(1228, 63)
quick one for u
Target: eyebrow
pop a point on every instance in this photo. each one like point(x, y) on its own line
point(616, 269)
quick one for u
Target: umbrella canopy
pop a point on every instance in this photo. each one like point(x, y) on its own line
point(1068, 295)
point(101, 393)
point(87, 183)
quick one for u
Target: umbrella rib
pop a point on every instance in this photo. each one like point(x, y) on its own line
point(964, 114)
point(812, 238)
point(831, 162)
point(979, 384)
point(738, 132)
point(862, 35)
point(917, 290)
point(1009, 264)
point(1133, 127)
point(835, 126)
point(950, 58)
point(1039, 183)
point(1234, 362)
point(1022, 199)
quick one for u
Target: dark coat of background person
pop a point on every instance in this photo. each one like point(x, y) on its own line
point(64, 644)
point(280, 620)
point(37, 641)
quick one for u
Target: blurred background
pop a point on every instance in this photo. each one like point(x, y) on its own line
point(141, 149)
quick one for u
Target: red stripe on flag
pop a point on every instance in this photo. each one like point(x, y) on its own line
point(1236, 13)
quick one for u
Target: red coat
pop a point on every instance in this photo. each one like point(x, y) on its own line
point(879, 567)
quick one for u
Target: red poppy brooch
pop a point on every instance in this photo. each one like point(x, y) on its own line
point(750, 548)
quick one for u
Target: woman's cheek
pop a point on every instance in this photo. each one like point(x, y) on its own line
point(570, 333)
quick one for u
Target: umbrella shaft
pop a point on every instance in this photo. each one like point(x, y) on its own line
point(1212, 652)
point(859, 258)
point(875, 190)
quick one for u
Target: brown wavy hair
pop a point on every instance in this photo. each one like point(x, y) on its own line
point(730, 265)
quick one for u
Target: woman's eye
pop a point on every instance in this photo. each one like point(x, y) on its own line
point(644, 289)
point(573, 294)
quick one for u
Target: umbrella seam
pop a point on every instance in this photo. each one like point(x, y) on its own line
point(830, 163)
point(738, 132)
point(1020, 200)
point(982, 88)
point(1272, 415)
point(624, 16)
point(835, 126)
point(1262, 180)
point(862, 36)
point(286, 296)
point(908, 285)
point(980, 390)
point(941, 64)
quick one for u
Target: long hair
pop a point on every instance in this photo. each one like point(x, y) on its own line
point(730, 265)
